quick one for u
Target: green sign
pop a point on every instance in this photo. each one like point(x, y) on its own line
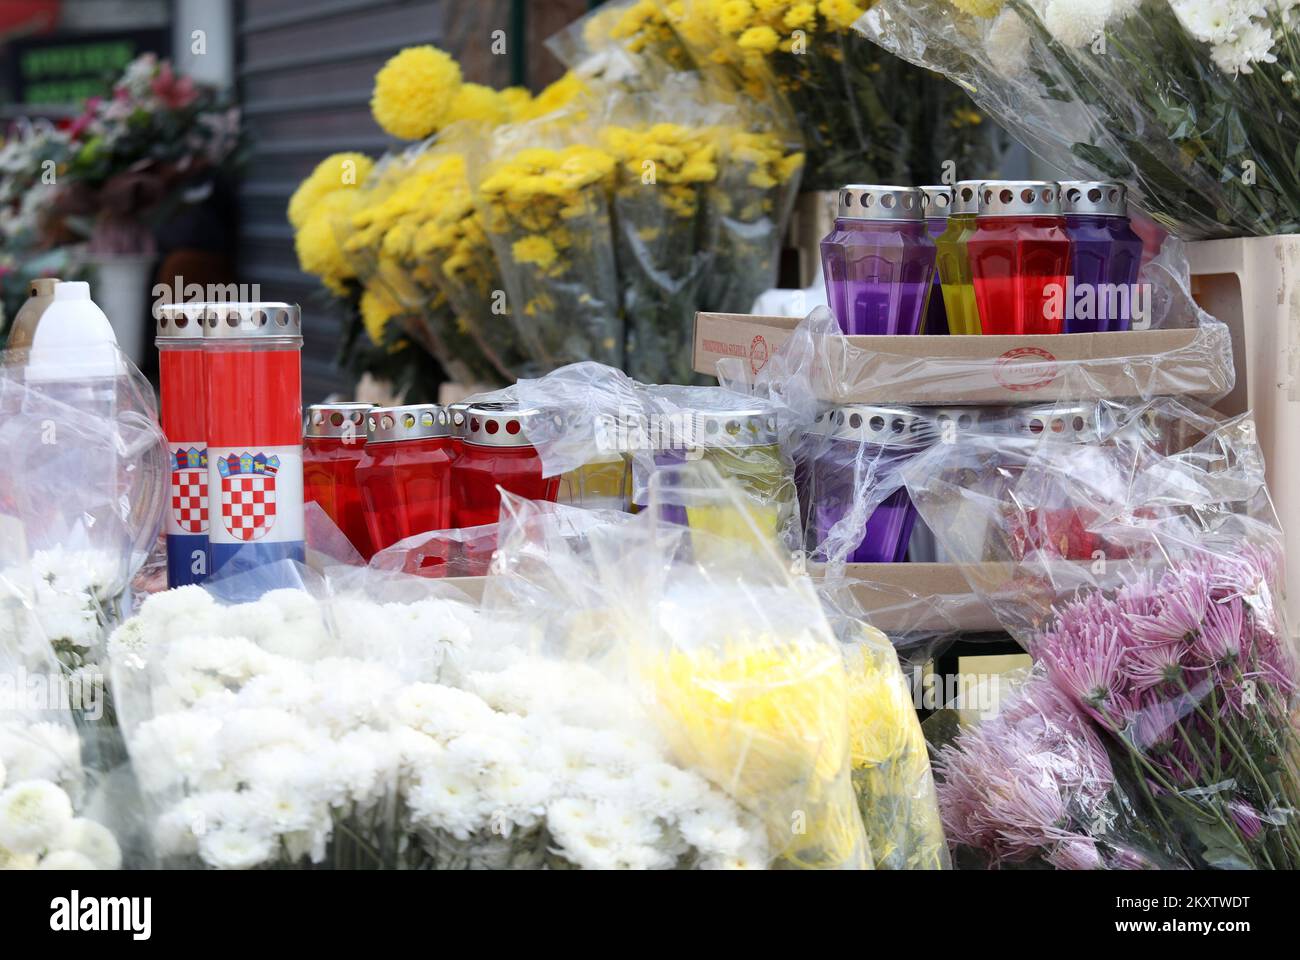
point(70, 69)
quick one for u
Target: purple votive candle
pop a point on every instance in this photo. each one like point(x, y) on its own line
point(1105, 256)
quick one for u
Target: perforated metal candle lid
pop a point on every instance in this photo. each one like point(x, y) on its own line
point(966, 197)
point(1094, 197)
point(456, 411)
point(872, 202)
point(498, 424)
point(1020, 198)
point(1071, 423)
point(754, 426)
point(180, 321)
point(937, 201)
point(249, 321)
point(415, 421)
point(949, 421)
point(883, 426)
point(338, 421)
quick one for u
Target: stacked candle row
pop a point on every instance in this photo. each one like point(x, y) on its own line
point(231, 386)
point(990, 257)
point(383, 474)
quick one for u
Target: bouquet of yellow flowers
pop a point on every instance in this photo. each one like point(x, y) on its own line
point(543, 190)
point(863, 116)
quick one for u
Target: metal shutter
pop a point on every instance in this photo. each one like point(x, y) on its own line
point(305, 71)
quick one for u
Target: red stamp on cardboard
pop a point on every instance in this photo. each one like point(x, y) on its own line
point(758, 354)
point(1025, 369)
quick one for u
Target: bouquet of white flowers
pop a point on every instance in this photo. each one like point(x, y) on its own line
point(376, 722)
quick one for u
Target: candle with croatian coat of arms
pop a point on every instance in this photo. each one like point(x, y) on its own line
point(184, 420)
point(252, 352)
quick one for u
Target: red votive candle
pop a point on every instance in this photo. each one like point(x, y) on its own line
point(404, 474)
point(497, 453)
point(333, 441)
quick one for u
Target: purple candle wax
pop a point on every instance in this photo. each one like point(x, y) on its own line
point(879, 261)
point(1105, 256)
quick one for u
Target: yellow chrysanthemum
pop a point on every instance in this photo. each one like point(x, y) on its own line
point(759, 39)
point(378, 309)
point(413, 92)
point(535, 250)
point(840, 13)
point(735, 15)
point(339, 171)
point(318, 242)
point(517, 101)
point(478, 103)
point(802, 16)
point(557, 95)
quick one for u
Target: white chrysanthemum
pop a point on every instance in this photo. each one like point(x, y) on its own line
point(1253, 44)
point(1007, 43)
point(175, 833)
point(92, 840)
point(350, 694)
point(717, 829)
point(175, 748)
point(444, 800)
point(170, 614)
point(1214, 21)
point(257, 728)
point(663, 787)
point(1076, 23)
point(367, 765)
point(287, 685)
point(13, 860)
point(235, 849)
point(42, 751)
point(67, 860)
point(415, 748)
point(32, 815)
point(441, 712)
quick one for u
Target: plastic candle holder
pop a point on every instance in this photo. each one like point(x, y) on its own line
point(879, 261)
point(1020, 257)
point(937, 205)
point(182, 388)
point(953, 261)
point(252, 356)
point(333, 443)
point(497, 453)
point(868, 444)
point(404, 475)
point(1105, 256)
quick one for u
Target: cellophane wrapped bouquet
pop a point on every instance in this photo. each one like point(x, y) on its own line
point(1192, 103)
point(731, 661)
point(83, 477)
point(45, 791)
point(544, 189)
point(1144, 580)
point(857, 123)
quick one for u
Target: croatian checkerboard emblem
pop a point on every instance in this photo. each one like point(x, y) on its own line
point(190, 490)
point(248, 494)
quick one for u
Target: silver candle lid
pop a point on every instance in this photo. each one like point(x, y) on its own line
point(966, 197)
point(1066, 422)
point(872, 202)
point(937, 201)
point(499, 424)
point(338, 421)
point(1096, 197)
point(414, 421)
point(249, 321)
point(883, 426)
point(1020, 198)
point(958, 421)
point(456, 411)
point(752, 426)
point(180, 321)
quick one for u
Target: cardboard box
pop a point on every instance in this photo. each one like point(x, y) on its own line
point(953, 371)
point(902, 598)
point(1253, 285)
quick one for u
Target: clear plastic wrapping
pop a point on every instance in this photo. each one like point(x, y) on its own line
point(1189, 108)
point(1145, 581)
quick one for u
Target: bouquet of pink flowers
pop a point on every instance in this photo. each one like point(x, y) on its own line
point(1165, 687)
point(135, 155)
